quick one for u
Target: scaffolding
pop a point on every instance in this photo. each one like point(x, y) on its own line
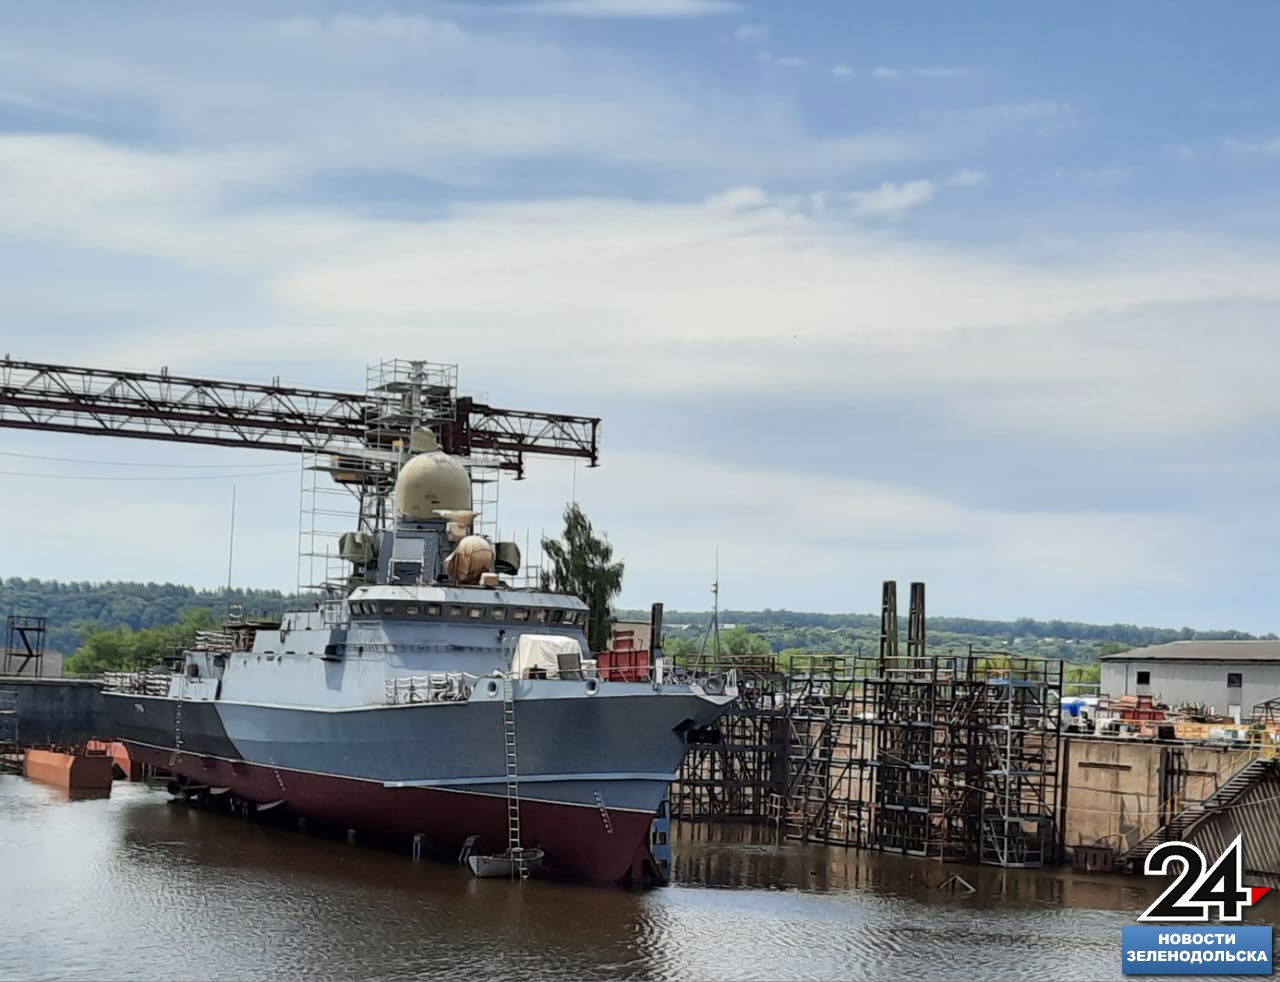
point(732, 769)
point(24, 645)
point(349, 485)
point(1021, 742)
point(947, 757)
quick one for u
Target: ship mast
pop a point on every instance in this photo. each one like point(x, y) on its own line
point(714, 627)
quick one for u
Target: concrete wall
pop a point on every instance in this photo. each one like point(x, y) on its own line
point(54, 711)
point(1113, 787)
point(1179, 681)
point(50, 666)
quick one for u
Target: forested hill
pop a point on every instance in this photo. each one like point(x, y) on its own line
point(793, 632)
point(72, 607)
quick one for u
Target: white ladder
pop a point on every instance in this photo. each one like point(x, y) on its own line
point(514, 849)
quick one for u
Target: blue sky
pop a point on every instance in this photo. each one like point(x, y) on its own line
point(977, 294)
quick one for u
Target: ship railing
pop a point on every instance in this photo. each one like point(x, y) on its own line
point(435, 687)
point(143, 683)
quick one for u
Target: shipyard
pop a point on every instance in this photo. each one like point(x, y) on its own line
point(638, 489)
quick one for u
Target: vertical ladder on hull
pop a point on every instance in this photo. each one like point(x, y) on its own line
point(514, 849)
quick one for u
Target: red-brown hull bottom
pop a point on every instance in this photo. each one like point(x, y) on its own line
point(575, 838)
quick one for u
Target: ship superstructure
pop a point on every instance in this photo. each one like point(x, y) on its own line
point(426, 696)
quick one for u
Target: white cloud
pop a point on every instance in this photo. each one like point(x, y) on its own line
point(966, 178)
point(943, 73)
point(1108, 176)
point(739, 293)
point(628, 8)
point(841, 71)
point(883, 72)
point(1253, 146)
point(751, 32)
point(462, 106)
point(891, 200)
point(791, 61)
point(848, 531)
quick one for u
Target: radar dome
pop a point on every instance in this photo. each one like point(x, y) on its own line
point(429, 482)
point(472, 557)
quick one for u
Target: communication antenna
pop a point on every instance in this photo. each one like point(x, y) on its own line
point(231, 548)
point(715, 614)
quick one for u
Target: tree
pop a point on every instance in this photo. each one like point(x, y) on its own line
point(582, 565)
point(122, 649)
point(675, 648)
point(738, 644)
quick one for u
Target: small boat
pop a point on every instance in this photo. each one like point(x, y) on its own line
point(506, 864)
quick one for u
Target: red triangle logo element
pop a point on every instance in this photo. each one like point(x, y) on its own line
point(1257, 893)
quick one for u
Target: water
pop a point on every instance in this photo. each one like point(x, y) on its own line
point(133, 887)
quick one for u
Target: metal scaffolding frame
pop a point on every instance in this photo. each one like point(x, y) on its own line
point(24, 645)
point(732, 770)
point(948, 757)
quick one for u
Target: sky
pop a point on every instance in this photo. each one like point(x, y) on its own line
point(982, 295)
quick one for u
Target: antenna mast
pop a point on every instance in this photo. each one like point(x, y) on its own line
point(231, 548)
point(714, 627)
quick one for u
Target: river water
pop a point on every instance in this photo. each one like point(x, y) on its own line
point(133, 887)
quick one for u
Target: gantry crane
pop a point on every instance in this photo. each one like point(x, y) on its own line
point(187, 409)
point(356, 438)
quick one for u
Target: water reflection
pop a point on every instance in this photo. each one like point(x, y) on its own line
point(757, 857)
point(147, 890)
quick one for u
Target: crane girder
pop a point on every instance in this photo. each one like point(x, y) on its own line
point(214, 412)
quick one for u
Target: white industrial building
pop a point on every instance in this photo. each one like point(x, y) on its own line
point(1231, 677)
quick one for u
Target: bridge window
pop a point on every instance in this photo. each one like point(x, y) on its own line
point(388, 608)
point(540, 615)
point(433, 610)
point(1235, 680)
point(411, 610)
point(455, 610)
point(1144, 678)
point(498, 613)
point(520, 614)
point(556, 616)
point(475, 613)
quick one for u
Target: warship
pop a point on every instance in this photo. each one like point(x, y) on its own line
point(430, 698)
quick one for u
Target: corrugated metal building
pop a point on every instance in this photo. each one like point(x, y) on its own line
point(1230, 676)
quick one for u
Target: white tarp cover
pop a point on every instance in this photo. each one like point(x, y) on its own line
point(542, 651)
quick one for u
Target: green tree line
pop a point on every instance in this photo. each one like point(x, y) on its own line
point(122, 649)
point(74, 610)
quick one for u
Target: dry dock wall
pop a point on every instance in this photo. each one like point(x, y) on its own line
point(1119, 791)
point(56, 712)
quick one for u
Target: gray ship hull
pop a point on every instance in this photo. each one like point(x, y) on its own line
point(589, 782)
